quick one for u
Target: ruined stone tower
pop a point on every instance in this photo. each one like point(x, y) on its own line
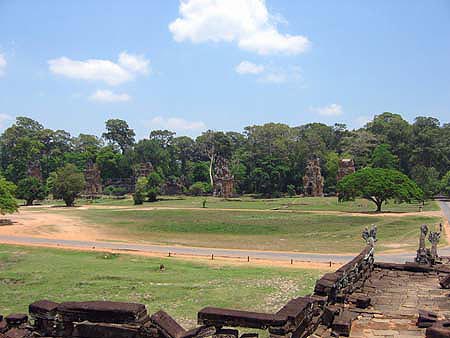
point(313, 179)
point(93, 179)
point(346, 167)
point(223, 179)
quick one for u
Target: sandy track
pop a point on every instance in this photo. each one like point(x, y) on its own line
point(29, 222)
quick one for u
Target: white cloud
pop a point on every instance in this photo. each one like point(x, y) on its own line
point(107, 71)
point(176, 124)
point(2, 64)
point(247, 67)
point(282, 75)
point(134, 63)
point(4, 118)
point(246, 22)
point(109, 96)
point(333, 109)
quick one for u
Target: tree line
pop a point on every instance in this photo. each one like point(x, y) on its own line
point(268, 160)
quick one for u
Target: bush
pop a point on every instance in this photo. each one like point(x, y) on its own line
point(154, 186)
point(68, 184)
point(291, 190)
point(8, 203)
point(140, 190)
point(199, 188)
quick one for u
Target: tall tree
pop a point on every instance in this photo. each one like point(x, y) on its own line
point(392, 129)
point(383, 158)
point(379, 185)
point(30, 189)
point(68, 183)
point(118, 132)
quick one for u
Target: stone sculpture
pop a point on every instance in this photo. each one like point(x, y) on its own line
point(370, 235)
point(313, 179)
point(434, 237)
point(422, 256)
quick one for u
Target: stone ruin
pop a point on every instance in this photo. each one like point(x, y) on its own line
point(223, 179)
point(172, 187)
point(143, 170)
point(346, 167)
point(93, 179)
point(362, 298)
point(313, 179)
point(34, 170)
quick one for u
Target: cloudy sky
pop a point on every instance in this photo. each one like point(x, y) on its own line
point(221, 64)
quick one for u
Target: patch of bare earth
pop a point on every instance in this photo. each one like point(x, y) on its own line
point(32, 223)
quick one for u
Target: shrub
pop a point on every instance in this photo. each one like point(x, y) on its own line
point(140, 190)
point(199, 188)
point(68, 184)
point(291, 190)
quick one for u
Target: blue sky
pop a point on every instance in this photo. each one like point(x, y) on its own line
point(221, 65)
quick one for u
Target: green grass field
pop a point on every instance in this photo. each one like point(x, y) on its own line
point(29, 274)
point(268, 230)
point(249, 202)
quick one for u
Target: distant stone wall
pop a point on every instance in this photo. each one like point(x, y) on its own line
point(298, 318)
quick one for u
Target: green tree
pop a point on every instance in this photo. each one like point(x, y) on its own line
point(199, 188)
point(392, 129)
point(154, 186)
point(8, 203)
point(379, 185)
point(383, 158)
point(445, 184)
point(140, 191)
point(330, 171)
point(118, 132)
point(68, 184)
point(30, 189)
point(427, 179)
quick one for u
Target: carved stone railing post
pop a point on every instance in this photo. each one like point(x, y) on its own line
point(434, 237)
point(422, 255)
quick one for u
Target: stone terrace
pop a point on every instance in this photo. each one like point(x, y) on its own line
point(396, 297)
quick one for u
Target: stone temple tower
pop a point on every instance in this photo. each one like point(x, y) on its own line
point(313, 179)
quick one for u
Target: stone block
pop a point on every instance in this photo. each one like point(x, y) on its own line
point(102, 312)
point(16, 319)
point(445, 282)
point(440, 329)
point(342, 324)
point(426, 318)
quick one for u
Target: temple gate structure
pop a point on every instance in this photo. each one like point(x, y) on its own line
point(313, 179)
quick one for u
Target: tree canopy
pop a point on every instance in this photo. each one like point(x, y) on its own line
point(379, 185)
point(68, 184)
point(8, 203)
point(264, 159)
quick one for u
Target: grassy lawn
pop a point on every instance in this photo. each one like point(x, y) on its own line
point(270, 230)
point(29, 274)
point(249, 202)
